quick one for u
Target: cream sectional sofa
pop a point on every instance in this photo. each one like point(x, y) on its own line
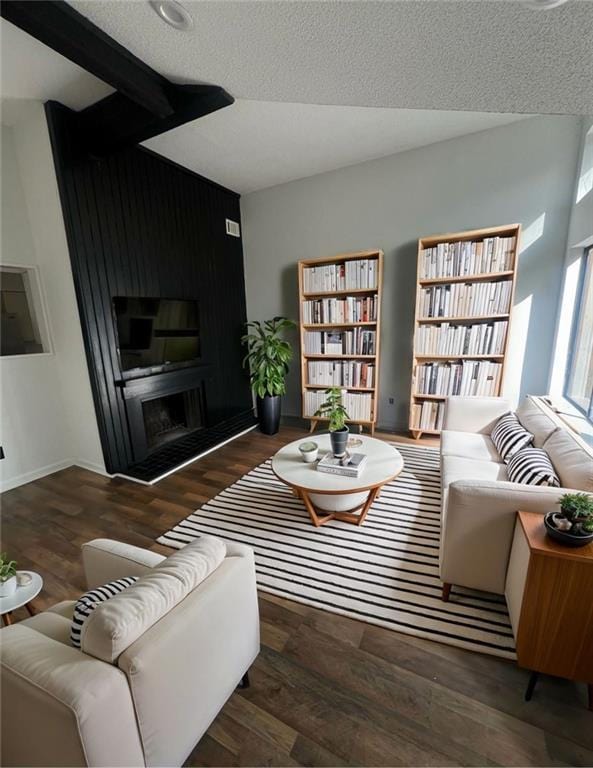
point(479, 504)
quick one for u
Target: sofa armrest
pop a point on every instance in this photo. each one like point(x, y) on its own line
point(477, 529)
point(474, 414)
point(105, 560)
point(62, 707)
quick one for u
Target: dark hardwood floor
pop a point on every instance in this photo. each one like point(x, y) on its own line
point(325, 690)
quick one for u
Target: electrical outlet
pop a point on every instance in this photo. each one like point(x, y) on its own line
point(391, 401)
point(1, 452)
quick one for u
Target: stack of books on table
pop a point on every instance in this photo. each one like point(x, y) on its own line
point(333, 466)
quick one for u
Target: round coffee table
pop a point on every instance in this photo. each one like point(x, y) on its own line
point(22, 597)
point(338, 497)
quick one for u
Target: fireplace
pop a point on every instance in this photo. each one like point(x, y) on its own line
point(164, 408)
point(170, 417)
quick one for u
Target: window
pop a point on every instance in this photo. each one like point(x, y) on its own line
point(23, 330)
point(579, 379)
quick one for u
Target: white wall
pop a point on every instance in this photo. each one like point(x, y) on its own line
point(47, 415)
point(521, 172)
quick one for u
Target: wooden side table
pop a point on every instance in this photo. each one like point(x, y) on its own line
point(22, 597)
point(549, 592)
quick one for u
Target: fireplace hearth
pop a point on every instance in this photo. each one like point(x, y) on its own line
point(170, 417)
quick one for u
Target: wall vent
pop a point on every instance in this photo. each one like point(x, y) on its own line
point(232, 228)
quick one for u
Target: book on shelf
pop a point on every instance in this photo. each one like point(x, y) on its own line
point(355, 342)
point(333, 466)
point(350, 309)
point(427, 416)
point(340, 373)
point(492, 254)
point(357, 404)
point(445, 339)
point(353, 274)
point(467, 377)
point(466, 299)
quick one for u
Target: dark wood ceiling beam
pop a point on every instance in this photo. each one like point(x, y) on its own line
point(59, 26)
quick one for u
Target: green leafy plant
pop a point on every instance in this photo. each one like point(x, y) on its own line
point(7, 567)
point(578, 508)
point(333, 409)
point(267, 355)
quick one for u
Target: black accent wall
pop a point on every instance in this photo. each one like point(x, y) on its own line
point(140, 225)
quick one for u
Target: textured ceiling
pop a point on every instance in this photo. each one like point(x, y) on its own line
point(475, 55)
point(31, 70)
point(253, 144)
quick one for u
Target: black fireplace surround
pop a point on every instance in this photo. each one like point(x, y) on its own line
point(139, 225)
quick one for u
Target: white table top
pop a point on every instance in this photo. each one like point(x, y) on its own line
point(384, 462)
point(23, 595)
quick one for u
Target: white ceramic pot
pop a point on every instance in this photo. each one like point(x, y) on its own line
point(309, 451)
point(8, 587)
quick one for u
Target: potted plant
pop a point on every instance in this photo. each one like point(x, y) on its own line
point(574, 525)
point(268, 356)
point(7, 576)
point(333, 409)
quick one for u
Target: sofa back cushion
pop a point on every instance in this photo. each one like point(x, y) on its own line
point(115, 624)
point(572, 462)
point(535, 421)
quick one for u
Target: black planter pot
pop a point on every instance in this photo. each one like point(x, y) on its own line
point(564, 537)
point(338, 441)
point(268, 413)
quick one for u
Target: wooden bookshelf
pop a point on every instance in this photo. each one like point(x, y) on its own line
point(372, 325)
point(505, 271)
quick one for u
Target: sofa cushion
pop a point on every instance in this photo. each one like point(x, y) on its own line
point(115, 624)
point(86, 604)
point(535, 421)
point(51, 625)
point(573, 463)
point(532, 466)
point(509, 436)
point(469, 445)
point(459, 468)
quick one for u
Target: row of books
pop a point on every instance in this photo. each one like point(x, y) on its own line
point(340, 373)
point(428, 415)
point(493, 254)
point(357, 273)
point(466, 299)
point(451, 340)
point(358, 405)
point(350, 309)
point(464, 378)
point(355, 342)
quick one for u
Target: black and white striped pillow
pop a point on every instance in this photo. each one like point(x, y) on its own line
point(86, 604)
point(509, 436)
point(532, 466)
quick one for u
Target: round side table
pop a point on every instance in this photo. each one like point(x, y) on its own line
point(338, 497)
point(22, 597)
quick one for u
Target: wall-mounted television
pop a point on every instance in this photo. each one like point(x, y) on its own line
point(156, 332)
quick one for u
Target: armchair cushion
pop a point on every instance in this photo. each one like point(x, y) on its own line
point(105, 560)
point(468, 445)
point(87, 603)
point(115, 624)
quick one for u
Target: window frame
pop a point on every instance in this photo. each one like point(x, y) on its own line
point(37, 305)
point(586, 265)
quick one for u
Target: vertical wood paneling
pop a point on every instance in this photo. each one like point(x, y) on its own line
point(140, 225)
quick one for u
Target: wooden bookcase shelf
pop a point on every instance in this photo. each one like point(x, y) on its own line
point(474, 248)
point(361, 326)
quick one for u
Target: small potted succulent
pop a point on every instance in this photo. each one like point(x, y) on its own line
point(7, 576)
point(333, 409)
point(573, 526)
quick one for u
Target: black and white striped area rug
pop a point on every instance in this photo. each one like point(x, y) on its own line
point(385, 572)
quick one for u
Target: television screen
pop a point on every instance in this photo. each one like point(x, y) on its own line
point(156, 332)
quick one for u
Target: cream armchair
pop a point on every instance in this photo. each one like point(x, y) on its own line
point(158, 661)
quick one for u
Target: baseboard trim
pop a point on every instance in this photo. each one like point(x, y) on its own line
point(185, 463)
point(34, 474)
point(99, 469)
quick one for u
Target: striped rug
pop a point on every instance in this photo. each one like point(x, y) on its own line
point(385, 572)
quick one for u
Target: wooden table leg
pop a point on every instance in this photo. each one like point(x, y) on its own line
point(31, 610)
point(7, 619)
point(316, 519)
point(363, 513)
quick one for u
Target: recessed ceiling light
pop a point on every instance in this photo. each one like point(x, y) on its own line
point(543, 5)
point(173, 13)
